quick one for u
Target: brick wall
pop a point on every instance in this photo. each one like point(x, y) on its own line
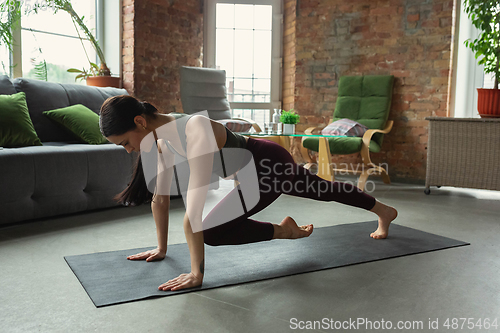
point(323, 40)
point(406, 38)
point(158, 38)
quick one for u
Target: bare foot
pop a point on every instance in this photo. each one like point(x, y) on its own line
point(386, 214)
point(288, 229)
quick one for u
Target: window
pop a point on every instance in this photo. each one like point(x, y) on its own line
point(259, 116)
point(244, 39)
point(243, 50)
point(50, 43)
point(4, 60)
point(489, 80)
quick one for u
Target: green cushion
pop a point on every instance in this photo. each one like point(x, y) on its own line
point(16, 127)
point(365, 99)
point(81, 121)
point(341, 145)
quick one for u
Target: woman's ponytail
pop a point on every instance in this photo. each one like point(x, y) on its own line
point(149, 109)
point(136, 193)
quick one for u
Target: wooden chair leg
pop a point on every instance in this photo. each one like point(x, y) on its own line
point(325, 170)
point(305, 154)
point(362, 179)
point(284, 141)
point(371, 170)
point(378, 169)
point(385, 176)
point(369, 167)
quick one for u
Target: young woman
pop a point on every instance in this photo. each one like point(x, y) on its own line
point(126, 121)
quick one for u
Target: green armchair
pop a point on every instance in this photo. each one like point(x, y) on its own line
point(367, 100)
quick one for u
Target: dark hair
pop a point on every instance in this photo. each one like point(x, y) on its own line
point(117, 118)
point(118, 113)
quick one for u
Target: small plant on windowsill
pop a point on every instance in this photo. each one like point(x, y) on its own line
point(84, 74)
point(289, 119)
point(485, 16)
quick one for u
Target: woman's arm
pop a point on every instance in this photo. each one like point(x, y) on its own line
point(201, 145)
point(160, 205)
point(196, 249)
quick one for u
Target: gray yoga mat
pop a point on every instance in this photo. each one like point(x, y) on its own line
point(109, 278)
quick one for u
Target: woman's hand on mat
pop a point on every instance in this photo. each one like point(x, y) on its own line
point(150, 255)
point(183, 281)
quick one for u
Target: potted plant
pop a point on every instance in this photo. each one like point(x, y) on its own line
point(289, 119)
point(96, 75)
point(485, 15)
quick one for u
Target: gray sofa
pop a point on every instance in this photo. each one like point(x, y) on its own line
point(62, 176)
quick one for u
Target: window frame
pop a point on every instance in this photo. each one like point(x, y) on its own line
point(209, 44)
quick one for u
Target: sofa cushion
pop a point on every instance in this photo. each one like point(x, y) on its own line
point(91, 97)
point(44, 96)
point(16, 128)
point(341, 145)
point(59, 178)
point(6, 86)
point(81, 121)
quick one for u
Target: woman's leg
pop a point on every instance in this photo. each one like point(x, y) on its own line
point(279, 174)
point(242, 230)
point(308, 185)
point(305, 184)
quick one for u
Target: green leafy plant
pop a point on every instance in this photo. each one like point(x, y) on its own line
point(10, 15)
point(83, 74)
point(12, 10)
point(41, 70)
point(289, 117)
point(485, 15)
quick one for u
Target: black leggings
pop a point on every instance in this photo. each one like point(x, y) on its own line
point(286, 177)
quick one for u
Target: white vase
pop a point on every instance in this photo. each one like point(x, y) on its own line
point(288, 128)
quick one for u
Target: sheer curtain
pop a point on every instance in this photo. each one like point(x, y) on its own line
point(468, 74)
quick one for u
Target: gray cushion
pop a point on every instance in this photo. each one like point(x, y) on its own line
point(6, 86)
point(91, 97)
point(60, 178)
point(44, 96)
point(204, 89)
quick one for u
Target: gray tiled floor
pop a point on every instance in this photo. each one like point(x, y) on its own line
point(39, 293)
